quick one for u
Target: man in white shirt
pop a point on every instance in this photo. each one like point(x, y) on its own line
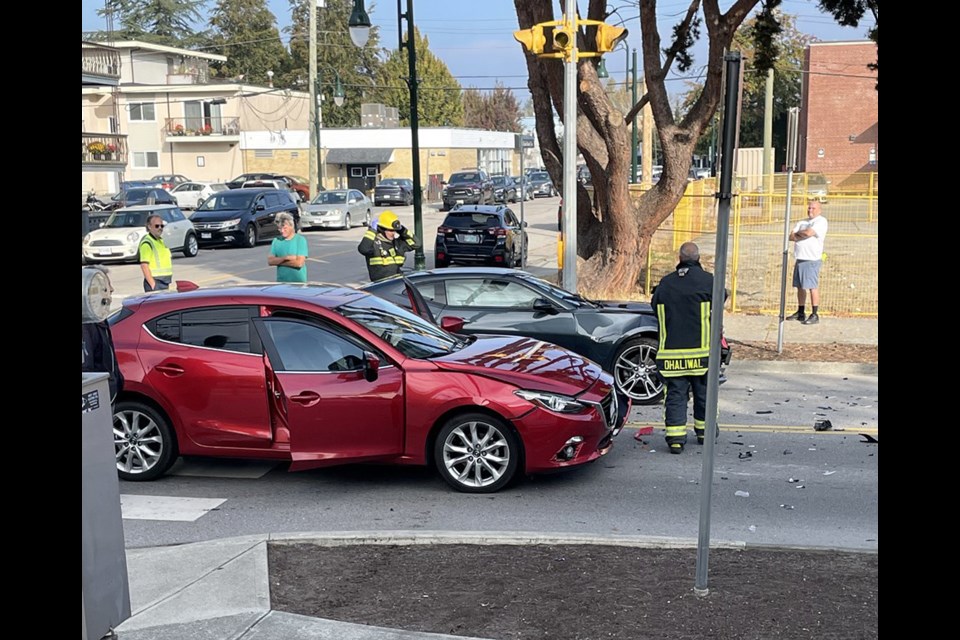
point(808, 236)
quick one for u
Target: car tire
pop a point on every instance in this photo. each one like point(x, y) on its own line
point(635, 370)
point(250, 236)
point(144, 442)
point(190, 246)
point(346, 221)
point(489, 471)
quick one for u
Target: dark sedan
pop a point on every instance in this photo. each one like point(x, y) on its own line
point(393, 191)
point(620, 336)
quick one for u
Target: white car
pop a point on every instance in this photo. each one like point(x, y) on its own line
point(336, 208)
point(118, 240)
point(189, 195)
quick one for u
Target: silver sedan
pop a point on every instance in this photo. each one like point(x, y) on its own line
point(338, 209)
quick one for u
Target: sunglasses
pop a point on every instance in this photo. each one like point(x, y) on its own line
point(158, 226)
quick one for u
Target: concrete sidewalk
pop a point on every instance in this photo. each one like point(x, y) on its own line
point(738, 326)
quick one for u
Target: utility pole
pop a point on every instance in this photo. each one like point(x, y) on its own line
point(633, 127)
point(768, 136)
point(569, 274)
point(314, 97)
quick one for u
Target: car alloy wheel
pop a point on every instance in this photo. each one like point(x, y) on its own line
point(143, 441)
point(250, 236)
point(346, 221)
point(190, 246)
point(476, 453)
point(635, 371)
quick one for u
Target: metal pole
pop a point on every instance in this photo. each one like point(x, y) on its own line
point(317, 123)
point(725, 195)
point(633, 128)
point(312, 88)
point(793, 116)
point(419, 260)
point(523, 196)
point(569, 273)
point(646, 174)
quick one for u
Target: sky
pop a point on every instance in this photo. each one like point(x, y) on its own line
point(475, 37)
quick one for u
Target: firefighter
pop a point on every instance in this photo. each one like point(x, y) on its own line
point(682, 303)
point(385, 247)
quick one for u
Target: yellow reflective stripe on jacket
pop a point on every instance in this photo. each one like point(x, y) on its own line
point(159, 260)
point(378, 261)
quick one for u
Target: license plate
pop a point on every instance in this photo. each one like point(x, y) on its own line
point(206, 236)
point(469, 239)
point(104, 252)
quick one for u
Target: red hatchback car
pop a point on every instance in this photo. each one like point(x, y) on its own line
point(320, 375)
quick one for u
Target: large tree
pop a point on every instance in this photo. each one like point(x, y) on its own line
point(336, 55)
point(439, 93)
point(245, 31)
point(614, 232)
point(496, 110)
point(169, 22)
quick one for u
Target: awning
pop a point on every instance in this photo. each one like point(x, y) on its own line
point(359, 156)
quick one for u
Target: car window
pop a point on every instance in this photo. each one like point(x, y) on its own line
point(120, 219)
point(219, 186)
point(307, 347)
point(227, 200)
point(272, 200)
point(471, 220)
point(464, 177)
point(489, 292)
point(499, 181)
point(176, 215)
point(330, 197)
point(411, 335)
point(511, 219)
point(226, 328)
point(356, 195)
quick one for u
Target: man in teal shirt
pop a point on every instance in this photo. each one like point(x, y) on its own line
point(288, 253)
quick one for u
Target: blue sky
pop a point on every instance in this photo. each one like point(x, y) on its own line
point(475, 37)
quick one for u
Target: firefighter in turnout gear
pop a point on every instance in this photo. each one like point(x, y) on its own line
point(385, 247)
point(682, 303)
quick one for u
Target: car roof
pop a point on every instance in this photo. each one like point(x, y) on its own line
point(148, 207)
point(320, 294)
point(254, 190)
point(478, 208)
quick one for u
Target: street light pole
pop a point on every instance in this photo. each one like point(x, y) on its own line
point(359, 32)
point(313, 82)
point(633, 127)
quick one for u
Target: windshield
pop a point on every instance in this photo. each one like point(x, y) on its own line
point(471, 220)
point(226, 200)
point(499, 181)
point(390, 182)
point(133, 195)
point(539, 177)
point(411, 335)
point(121, 219)
point(566, 296)
point(460, 178)
point(330, 197)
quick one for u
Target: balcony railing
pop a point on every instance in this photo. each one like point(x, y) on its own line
point(102, 62)
point(106, 149)
point(213, 127)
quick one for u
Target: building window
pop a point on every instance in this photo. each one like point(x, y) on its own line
point(146, 160)
point(356, 172)
point(143, 112)
point(263, 153)
point(372, 172)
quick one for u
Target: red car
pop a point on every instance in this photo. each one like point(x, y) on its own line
point(320, 375)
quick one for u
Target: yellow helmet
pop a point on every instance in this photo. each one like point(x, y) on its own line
point(389, 221)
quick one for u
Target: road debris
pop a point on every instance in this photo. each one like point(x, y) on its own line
point(868, 439)
point(742, 494)
point(822, 425)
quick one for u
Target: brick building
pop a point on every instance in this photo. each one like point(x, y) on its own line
point(839, 115)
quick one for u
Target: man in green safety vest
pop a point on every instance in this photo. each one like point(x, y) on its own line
point(155, 260)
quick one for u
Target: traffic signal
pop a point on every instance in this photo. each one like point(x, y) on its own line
point(609, 36)
point(532, 39)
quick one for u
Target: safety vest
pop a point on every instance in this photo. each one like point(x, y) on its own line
point(158, 258)
point(384, 257)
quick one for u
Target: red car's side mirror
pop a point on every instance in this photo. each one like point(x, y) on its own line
point(185, 285)
point(452, 324)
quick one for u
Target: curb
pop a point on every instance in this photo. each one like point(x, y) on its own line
point(798, 366)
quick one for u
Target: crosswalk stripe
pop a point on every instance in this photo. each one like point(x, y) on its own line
point(168, 508)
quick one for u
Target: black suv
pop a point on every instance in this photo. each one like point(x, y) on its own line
point(505, 189)
point(469, 186)
point(481, 234)
point(243, 216)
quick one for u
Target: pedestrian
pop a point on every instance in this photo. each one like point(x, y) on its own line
point(155, 260)
point(288, 253)
point(385, 247)
point(808, 236)
point(682, 302)
point(96, 344)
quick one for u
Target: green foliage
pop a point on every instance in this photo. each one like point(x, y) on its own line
point(336, 54)
point(497, 110)
point(245, 32)
point(439, 94)
point(168, 22)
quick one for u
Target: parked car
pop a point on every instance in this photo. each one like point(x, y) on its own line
point(143, 195)
point(320, 375)
point(243, 217)
point(168, 181)
point(468, 187)
point(541, 185)
point(135, 184)
point(189, 195)
point(480, 234)
point(393, 190)
point(293, 183)
point(504, 189)
point(522, 188)
point(622, 337)
point(337, 208)
point(118, 240)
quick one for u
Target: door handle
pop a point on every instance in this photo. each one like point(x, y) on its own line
point(171, 370)
point(307, 398)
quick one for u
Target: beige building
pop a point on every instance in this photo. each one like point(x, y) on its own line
point(149, 109)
